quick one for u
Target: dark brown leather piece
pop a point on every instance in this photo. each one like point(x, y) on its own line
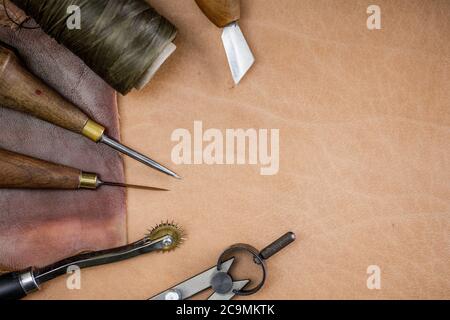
point(40, 227)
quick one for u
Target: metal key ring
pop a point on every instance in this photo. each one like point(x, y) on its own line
point(258, 260)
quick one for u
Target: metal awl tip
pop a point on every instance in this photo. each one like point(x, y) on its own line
point(137, 156)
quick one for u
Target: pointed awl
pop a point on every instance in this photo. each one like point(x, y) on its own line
point(19, 171)
point(22, 91)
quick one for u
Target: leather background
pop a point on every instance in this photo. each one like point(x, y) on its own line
point(364, 177)
point(13, 17)
point(41, 227)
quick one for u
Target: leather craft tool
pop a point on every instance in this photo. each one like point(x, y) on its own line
point(218, 277)
point(18, 171)
point(225, 14)
point(16, 285)
point(22, 91)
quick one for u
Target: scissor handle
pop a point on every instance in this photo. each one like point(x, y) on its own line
point(258, 256)
point(242, 247)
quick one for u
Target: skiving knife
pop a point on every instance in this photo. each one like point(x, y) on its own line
point(225, 14)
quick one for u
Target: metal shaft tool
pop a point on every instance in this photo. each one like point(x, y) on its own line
point(225, 14)
point(16, 285)
point(18, 171)
point(22, 91)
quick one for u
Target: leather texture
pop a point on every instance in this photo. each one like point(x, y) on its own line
point(40, 227)
point(364, 176)
point(13, 17)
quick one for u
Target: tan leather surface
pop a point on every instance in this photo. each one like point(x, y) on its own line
point(40, 227)
point(364, 176)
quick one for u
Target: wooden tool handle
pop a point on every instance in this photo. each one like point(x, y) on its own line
point(21, 172)
point(221, 12)
point(22, 91)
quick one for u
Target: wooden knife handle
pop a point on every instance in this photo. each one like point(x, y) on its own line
point(221, 12)
point(18, 171)
point(22, 91)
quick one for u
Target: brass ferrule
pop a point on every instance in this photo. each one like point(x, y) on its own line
point(88, 180)
point(93, 130)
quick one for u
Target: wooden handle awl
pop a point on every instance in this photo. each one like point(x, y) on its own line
point(221, 12)
point(22, 91)
point(18, 171)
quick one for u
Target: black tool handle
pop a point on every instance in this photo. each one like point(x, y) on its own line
point(277, 245)
point(10, 288)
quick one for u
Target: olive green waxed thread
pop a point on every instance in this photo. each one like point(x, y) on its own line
point(118, 39)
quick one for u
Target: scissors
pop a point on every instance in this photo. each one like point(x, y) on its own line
point(219, 278)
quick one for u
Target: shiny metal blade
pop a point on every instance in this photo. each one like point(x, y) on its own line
point(194, 285)
point(239, 55)
point(137, 156)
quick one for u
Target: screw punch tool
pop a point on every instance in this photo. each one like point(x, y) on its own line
point(218, 277)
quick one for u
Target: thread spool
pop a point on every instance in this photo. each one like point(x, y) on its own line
point(123, 41)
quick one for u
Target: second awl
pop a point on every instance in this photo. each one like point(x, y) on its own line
point(19, 171)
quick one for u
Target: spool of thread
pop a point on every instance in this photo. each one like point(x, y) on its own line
point(123, 41)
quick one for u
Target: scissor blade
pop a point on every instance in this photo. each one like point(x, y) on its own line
point(194, 285)
point(240, 57)
point(237, 285)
